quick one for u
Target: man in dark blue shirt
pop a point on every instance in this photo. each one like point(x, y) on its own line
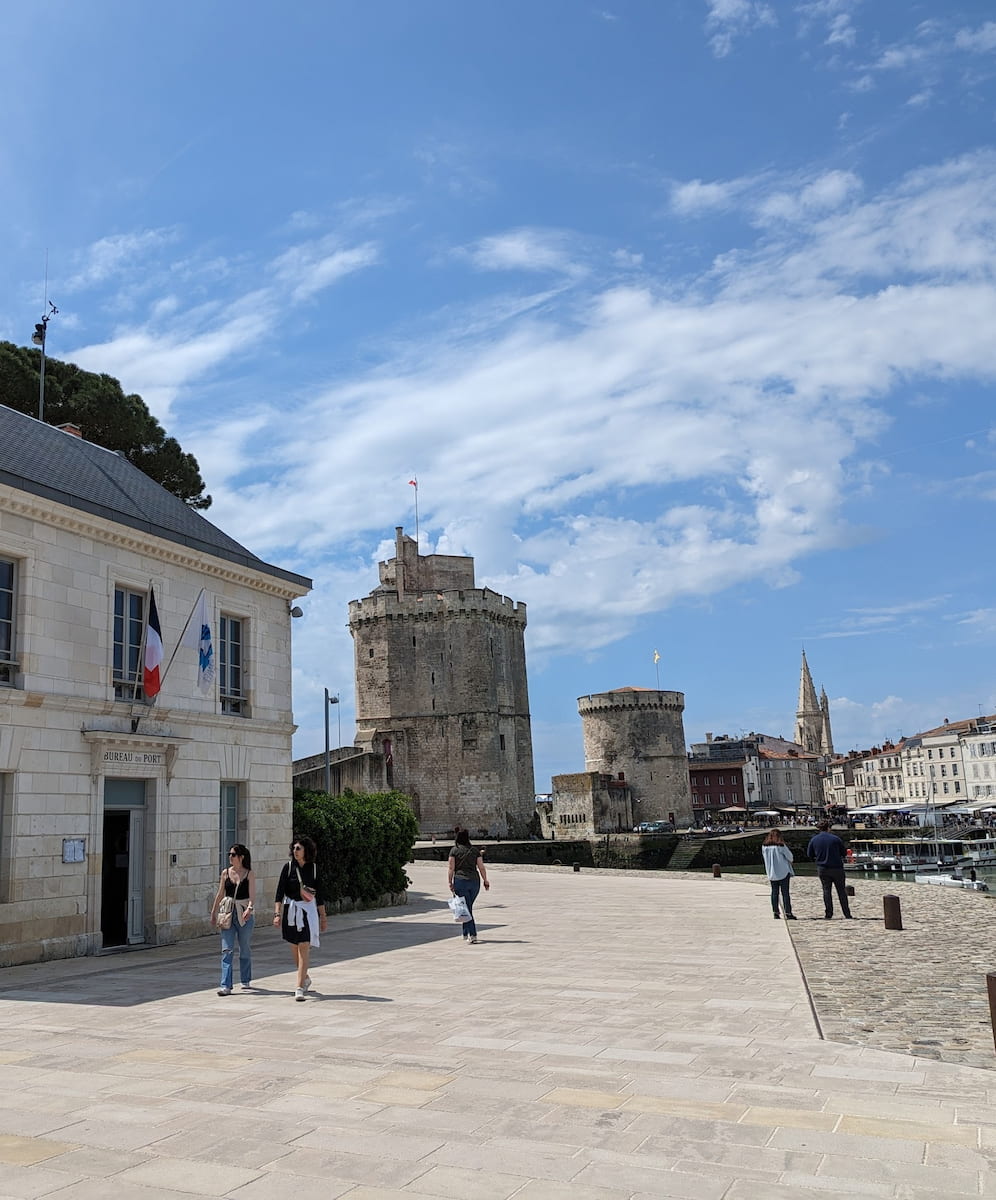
point(828, 851)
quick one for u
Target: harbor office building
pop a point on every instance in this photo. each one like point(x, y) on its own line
point(117, 809)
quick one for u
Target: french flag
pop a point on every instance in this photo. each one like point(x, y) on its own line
point(153, 650)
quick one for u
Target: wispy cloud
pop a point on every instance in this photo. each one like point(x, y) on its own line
point(737, 406)
point(311, 267)
point(885, 619)
point(525, 250)
point(115, 256)
point(977, 41)
point(728, 20)
point(833, 17)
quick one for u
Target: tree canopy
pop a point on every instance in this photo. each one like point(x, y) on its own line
point(98, 405)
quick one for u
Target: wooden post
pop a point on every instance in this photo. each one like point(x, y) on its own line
point(893, 913)
point(991, 988)
point(717, 872)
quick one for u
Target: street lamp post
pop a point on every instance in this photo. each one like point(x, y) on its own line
point(328, 762)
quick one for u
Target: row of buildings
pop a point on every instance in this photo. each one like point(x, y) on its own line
point(952, 767)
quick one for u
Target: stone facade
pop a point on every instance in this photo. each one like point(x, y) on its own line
point(113, 813)
point(638, 735)
point(584, 805)
point(441, 692)
point(348, 768)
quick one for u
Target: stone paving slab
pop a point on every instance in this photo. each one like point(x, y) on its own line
point(612, 1037)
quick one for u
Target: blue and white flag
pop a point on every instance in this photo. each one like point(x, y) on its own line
point(198, 635)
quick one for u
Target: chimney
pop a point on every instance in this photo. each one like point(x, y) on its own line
point(71, 429)
point(708, 737)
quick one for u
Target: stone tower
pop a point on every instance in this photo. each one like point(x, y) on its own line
point(638, 734)
point(812, 718)
point(441, 692)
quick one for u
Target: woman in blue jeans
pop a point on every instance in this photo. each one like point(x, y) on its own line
point(466, 874)
point(238, 882)
point(778, 867)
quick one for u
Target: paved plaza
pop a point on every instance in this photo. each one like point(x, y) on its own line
point(612, 1037)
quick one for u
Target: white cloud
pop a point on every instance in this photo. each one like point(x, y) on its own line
point(835, 17)
point(309, 268)
point(730, 19)
point(733, 407)
point(697, 197)
point(524, 250)
point(114, 256)
point(828, 191)
point(158, 364)
point(861, 724)
point(977, 41)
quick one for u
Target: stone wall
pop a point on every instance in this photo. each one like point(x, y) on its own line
point(441, 694)
point(638, 735)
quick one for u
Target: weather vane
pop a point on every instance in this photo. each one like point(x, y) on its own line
point(38, 337)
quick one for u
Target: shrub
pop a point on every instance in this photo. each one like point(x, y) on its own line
point(363, 841)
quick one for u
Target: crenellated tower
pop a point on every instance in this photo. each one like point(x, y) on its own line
point(637, 735)
point(441, 692)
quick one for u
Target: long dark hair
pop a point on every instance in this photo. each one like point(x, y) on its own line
point(774, 838)
point(463, 837)
point(307, 845)
point(243, 853)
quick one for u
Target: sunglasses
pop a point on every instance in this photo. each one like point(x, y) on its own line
point(297, 847)
point(234, 854)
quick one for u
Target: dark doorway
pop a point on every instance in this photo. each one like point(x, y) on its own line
point(114, 883)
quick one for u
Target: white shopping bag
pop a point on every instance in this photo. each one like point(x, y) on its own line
point(459, 909)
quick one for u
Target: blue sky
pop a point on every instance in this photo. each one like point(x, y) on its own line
point(683, 314)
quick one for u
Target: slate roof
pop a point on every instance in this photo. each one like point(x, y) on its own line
point(47, 462)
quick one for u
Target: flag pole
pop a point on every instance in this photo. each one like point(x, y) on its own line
point(657, 668)
point(418, 586)
point(140, 665)
point(183, 632)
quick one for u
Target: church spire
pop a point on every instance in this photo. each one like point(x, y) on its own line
point(809, 715)
point(826, 737)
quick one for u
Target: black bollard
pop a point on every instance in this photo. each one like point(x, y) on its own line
point(577, 866)
point(991, 988)
point(717, 871)
point(849, 889)
point(893, 913)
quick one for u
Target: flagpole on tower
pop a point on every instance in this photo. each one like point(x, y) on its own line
point(657, 659)
point(414, 483)
point(418, 583)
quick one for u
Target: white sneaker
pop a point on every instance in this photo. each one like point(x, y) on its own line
point(245, 987)
point(299, 993)
point(224, 991)
point(307, 983)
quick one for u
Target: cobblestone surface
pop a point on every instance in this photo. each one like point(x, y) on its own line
point(920, 990)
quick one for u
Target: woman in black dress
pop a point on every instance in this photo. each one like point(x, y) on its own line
point(299, 908)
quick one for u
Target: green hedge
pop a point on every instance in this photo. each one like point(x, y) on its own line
point(363, 841)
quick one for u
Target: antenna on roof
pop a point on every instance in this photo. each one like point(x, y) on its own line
point(38, 337)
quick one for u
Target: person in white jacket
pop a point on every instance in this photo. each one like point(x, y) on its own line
point(778, 865)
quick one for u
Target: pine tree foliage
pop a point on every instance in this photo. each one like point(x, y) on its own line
point(98, 405)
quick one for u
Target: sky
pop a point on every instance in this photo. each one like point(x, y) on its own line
point(682, 314)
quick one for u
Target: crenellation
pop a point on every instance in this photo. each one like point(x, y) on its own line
point(441, 692)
